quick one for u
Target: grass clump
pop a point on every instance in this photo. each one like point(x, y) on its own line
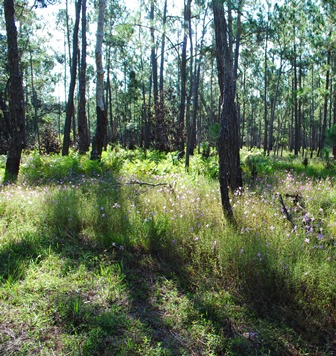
point(132, 256)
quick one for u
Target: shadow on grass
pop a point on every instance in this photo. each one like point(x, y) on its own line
point(137, 323)
point(16, 257)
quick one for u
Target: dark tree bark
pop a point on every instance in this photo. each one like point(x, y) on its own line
point(16, 97)
point(83, 135)
point(229, 143)
point(6, 128)
point(334, 117)
point(73, 75)
point(101, 128)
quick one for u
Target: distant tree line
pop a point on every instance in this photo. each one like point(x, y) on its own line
point(205, 74)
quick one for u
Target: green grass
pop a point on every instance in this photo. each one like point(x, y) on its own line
point(94, 261)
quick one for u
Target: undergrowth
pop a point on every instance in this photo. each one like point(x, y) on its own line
point(132, 256)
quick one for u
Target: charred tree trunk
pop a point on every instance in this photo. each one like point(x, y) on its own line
point(73, 75)
point(82, 119)
point(228, 144)
point(16, 97)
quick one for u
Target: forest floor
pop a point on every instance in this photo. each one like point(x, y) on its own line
point(132, 256)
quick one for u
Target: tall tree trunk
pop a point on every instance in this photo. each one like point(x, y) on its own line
point(16, 97)
point(196, 82)
point(183, 70)
point(297, 127)
point(157, 109)
point(163, 42)
point(228, 145)
point(34, 101)
point(73, 75)
point(161, 125)
point(145, 107)
point(190, 94)
point(82, 120)
point(325, 105)
point(265, 94)
point(273, 106)
point(98, 140)
point(109, 102)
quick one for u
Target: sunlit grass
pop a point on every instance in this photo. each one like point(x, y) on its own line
point(132, 256)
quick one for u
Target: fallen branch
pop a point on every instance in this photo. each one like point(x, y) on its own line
point(288, 215)
point(137, 182)
point(147, 184)
point(296, 197)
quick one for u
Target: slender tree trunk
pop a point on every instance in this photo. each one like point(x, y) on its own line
point(265, 94)
point(157, 108)
point(161, 125)
point(73, 75)
point(109, 101)
point(196, 83)
point(163, 42)
point(16, 97)
point(34, 101)
point(297, 127)
point(189, 95)
point(145, 107)
point(311, 114)
point(82, 120)
point(325, 105)
point(242, 131)
point(183, 70)
point(98, 140)
point(273, 106)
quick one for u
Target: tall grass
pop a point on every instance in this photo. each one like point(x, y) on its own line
point(132, 256)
